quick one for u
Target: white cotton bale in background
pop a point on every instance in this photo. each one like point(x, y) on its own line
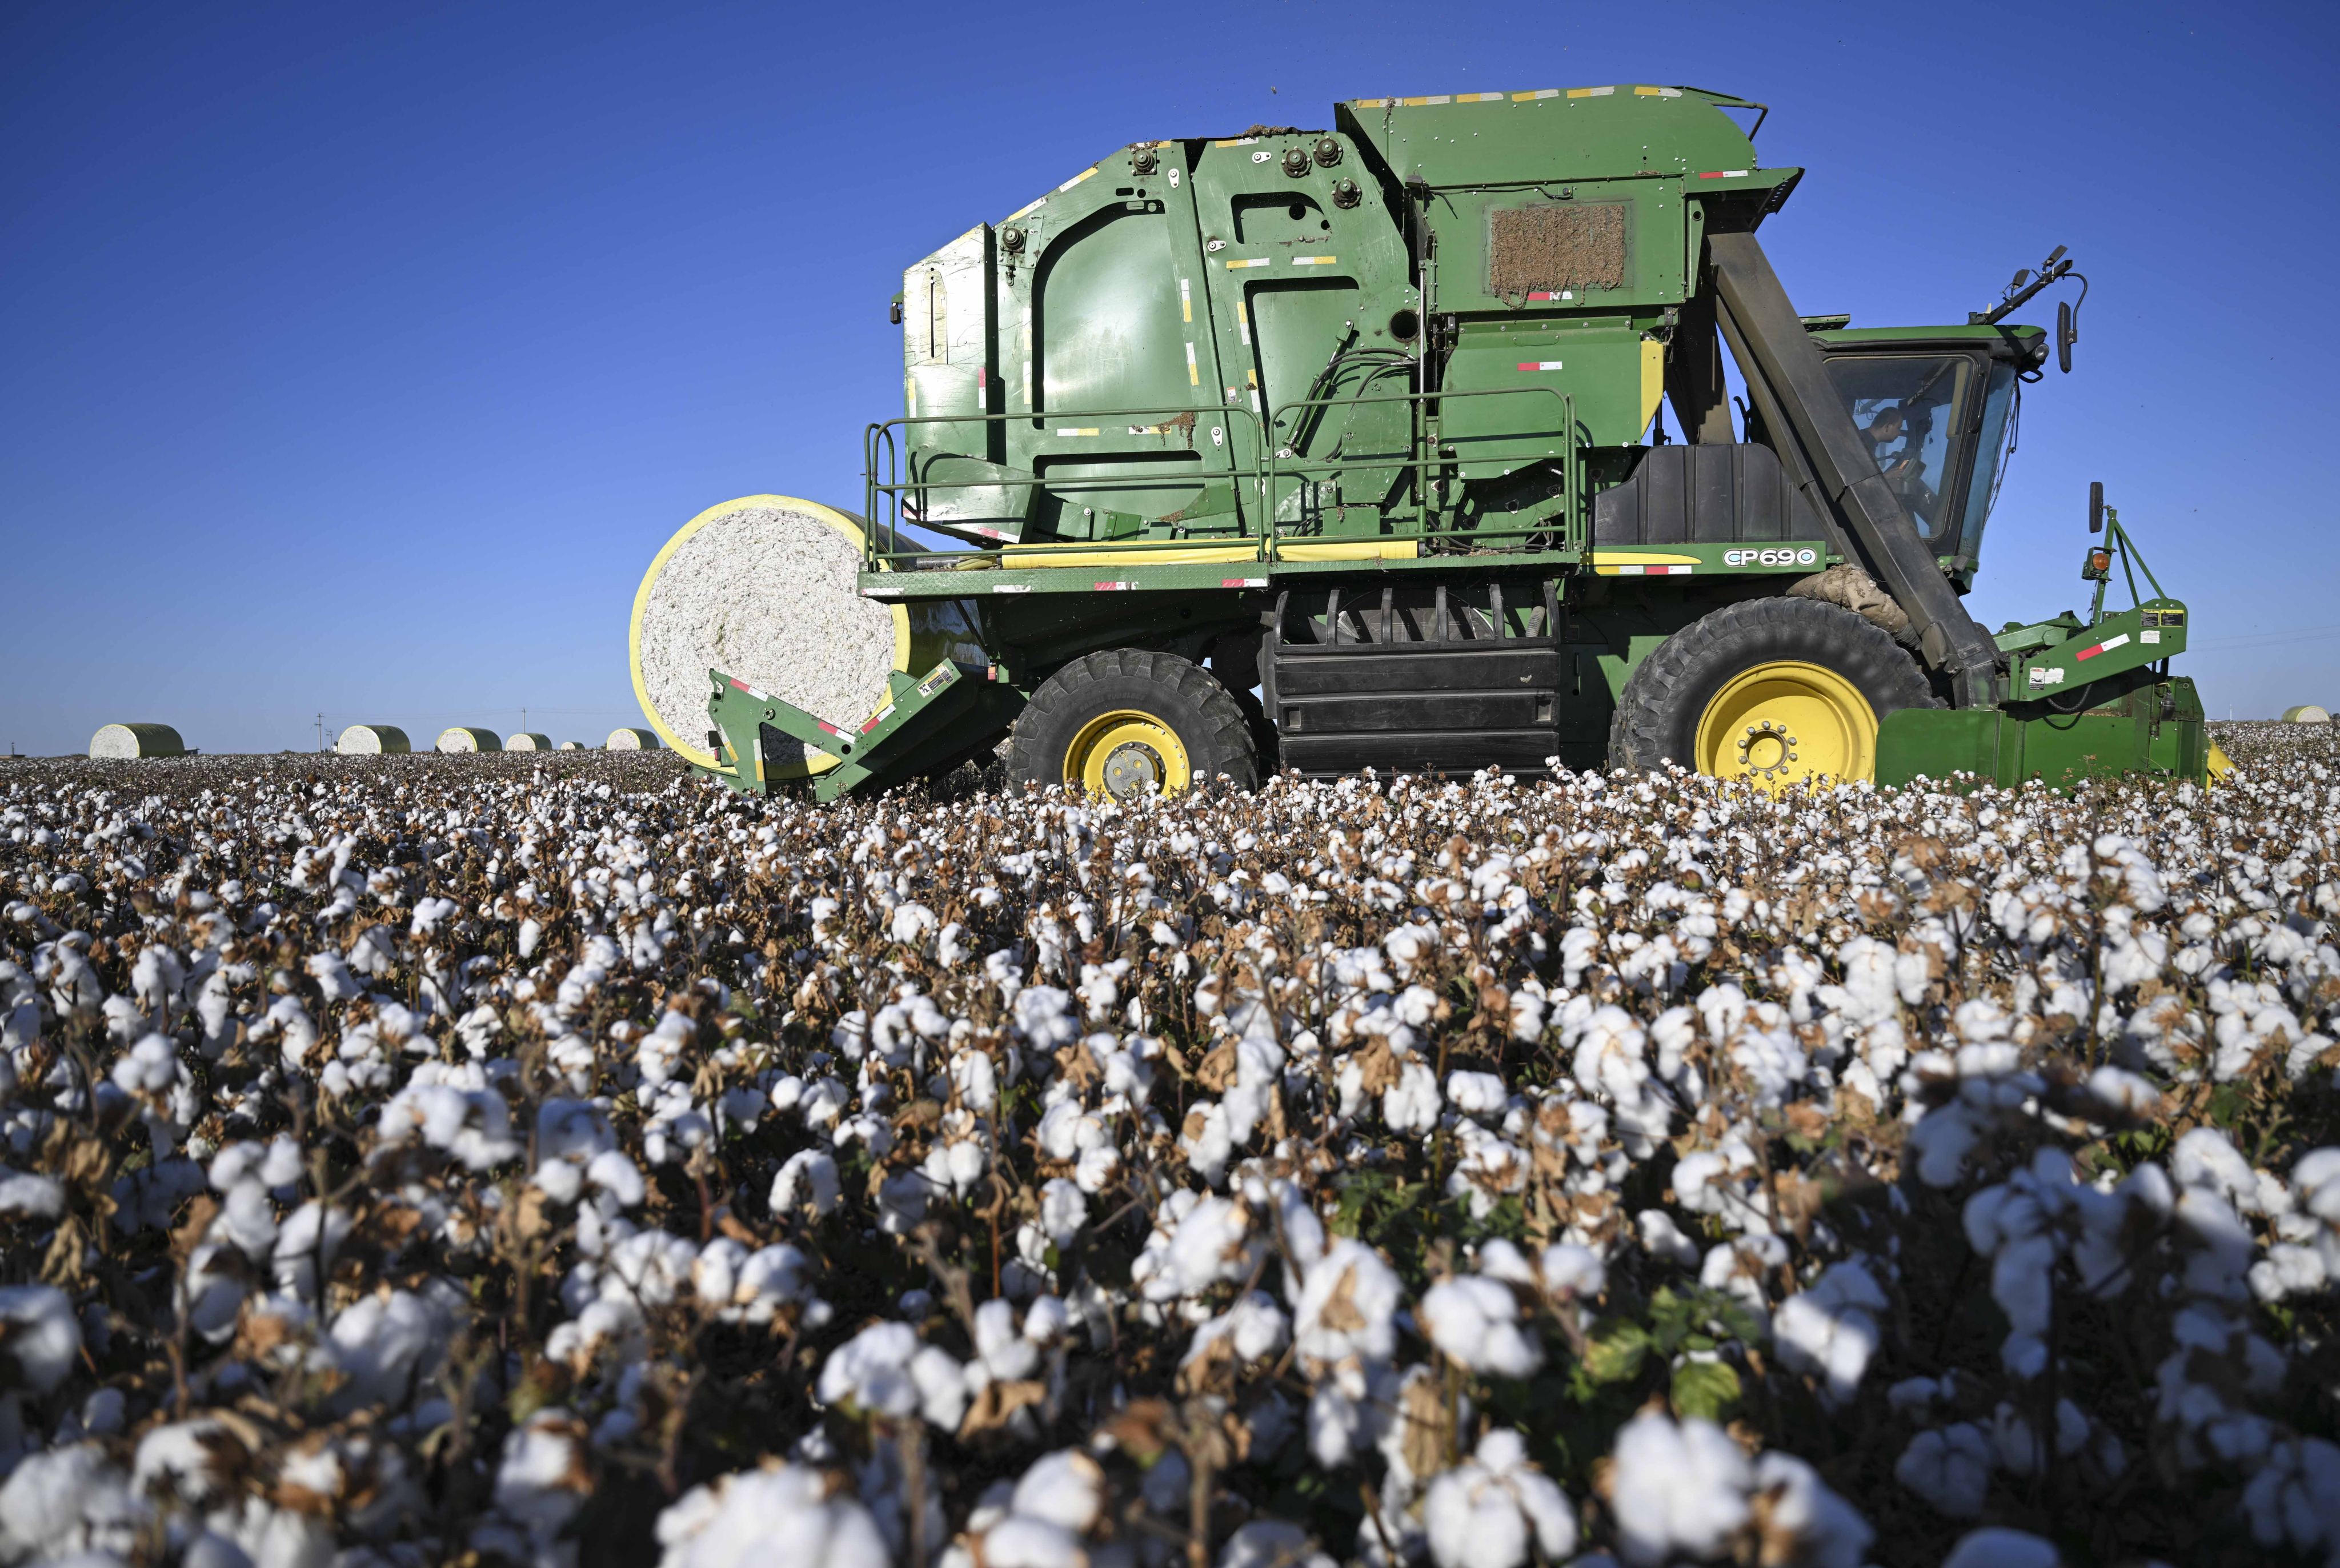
point(121, 742)
point(2306, 713)
point(373, 740)
point(468, 738)
point(528, 740)
point(631, 740)
point(572, 745)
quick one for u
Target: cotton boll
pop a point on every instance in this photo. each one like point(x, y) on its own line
point(66, 1501)
point(1830, 1331)
point(1476, 1094)
point(1002, 1354)
point(1475, 1321)
point(1348, 1303)
point(1949, 1467)
point(1063, 1209)
point(1801, 1521)
point(42, 1343)
point(1411, 1104)
point(871, 1371)
point(1664, 1239)
point(1065, 1489)
point(1485, 1512)
point(26, 1196)
point(737, 1519)
point(1572, 1271)
point(542, 1479)
point(1676, 1489)
point(1252, 1328)
point(809, 1179)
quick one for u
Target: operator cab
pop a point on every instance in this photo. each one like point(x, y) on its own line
point(1937, 408)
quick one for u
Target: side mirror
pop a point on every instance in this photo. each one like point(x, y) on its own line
point(2096, 506)
point(2067, 332)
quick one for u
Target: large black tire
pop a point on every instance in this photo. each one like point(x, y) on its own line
point(1658, 714)
point(1176, 695)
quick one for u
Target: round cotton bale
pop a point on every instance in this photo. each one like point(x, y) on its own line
point(468, 738)
point(2306, 713)
point(373, 740)
point(118, 742)
point(528, 740)
point(572, 745)
point(631, 740)
point(764, 589)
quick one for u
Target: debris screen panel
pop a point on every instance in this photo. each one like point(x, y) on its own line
point(1550, 247)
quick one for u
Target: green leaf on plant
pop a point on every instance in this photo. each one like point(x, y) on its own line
point(1617, 1354)
point(1704, 1388)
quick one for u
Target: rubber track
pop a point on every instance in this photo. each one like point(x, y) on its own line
point(1224, 728)
point(1649, 724)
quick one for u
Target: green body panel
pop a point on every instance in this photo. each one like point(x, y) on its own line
point(2156, 727)
point(2123, 640)
point(1137, 341)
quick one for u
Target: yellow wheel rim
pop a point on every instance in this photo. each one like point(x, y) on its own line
point(1125, 754)
point(1784, 721)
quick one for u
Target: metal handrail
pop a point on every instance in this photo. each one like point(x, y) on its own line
point(1268, 463)
point(881, 433)
point(1424, 451)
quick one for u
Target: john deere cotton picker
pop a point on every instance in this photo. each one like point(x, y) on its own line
point(1328, 450)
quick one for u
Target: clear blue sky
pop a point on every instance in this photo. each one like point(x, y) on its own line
point(357, 358)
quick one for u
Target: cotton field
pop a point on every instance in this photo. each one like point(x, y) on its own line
point(531, 1162)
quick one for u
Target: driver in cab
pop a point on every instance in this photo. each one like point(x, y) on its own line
point(1904, 471)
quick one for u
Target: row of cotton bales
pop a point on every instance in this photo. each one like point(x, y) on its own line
point(122, 742)
point(388, 740)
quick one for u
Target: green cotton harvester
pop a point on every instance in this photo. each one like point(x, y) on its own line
point(1345, 449)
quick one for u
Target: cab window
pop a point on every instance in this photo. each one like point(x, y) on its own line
point(1909, 410)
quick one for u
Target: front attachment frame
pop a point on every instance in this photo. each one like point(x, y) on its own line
point(750, 726)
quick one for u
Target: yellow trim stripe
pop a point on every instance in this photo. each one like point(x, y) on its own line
point(1313, 261)
point(1076, 179)
point(1642, 558)
point(1194, 372)
point(1528, 97)
point(1238, 265)
point(1185, 301)
point(1076, 430)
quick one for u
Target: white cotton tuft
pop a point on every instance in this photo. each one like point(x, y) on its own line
point(1676, 1489)
point(41, 1337)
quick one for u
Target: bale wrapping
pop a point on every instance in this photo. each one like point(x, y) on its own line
point(122, 741)
point(2306, 713)
point(528, 740)
point(373, 740)
point(572, 745)
point(631, 740)
point(763, 588)
point(467, 738)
